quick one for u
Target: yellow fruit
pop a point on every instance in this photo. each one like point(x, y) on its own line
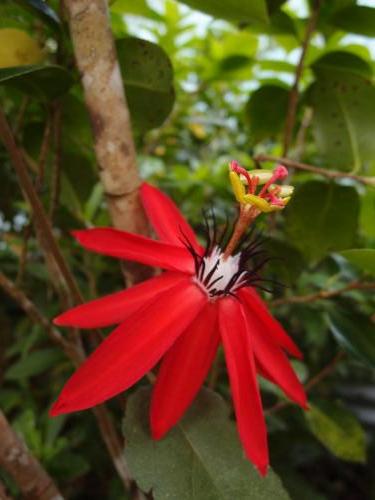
point(17, 48)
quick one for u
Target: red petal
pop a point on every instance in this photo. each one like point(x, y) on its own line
point(116, 307)
point(273, 362)
point(270, 325)
point(130, 246)
point(183, 370)
point(242, 375)
point(132, 349)
point(168, 222)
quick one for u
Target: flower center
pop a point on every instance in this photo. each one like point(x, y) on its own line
point(219, 276)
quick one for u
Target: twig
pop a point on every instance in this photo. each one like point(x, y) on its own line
point(40, 218)
point(324, 294)
point(37, 317)
point(43, 153)
point(325, 372)
point(77, 356)
point(21, 115)
point(23, 257)
point(106, 103)
point(52, 251)
point(330, 174)
point(293, 95)
point(23, 467)
point(56, 170)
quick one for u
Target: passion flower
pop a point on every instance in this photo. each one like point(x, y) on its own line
point(205, 297)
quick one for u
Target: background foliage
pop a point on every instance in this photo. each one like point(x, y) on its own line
point(203, 90)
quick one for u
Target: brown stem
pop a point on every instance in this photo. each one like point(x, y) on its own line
point(97, 62)
point(324, 372)
point(293, 95)
point(324, 294)
point(40, 218)
point(77, 356)
point(330, 174)
point(56, 170)
point(43, 153)
point(23, 467)
point(36, 316)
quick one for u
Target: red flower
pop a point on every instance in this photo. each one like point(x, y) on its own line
point(180, 316)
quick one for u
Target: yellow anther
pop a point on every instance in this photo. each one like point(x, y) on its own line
point(237, 186)
point(260, 203)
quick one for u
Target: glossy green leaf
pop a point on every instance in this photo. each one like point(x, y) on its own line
point(266, 110)
point(34, 363)
point(338, 430)
point(42, 82)
point(232, 10)
point(42, 9)
point(200, 459)
point(363, 258)
point(321, 218)
point(148, 77)
point(354, 331)
point(356, 19)
point(343, 101)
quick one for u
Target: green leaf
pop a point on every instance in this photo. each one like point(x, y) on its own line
point(344, 111)
point(34, 363)
point(138, 8)
point(232, 10)
point(364, 258)
point(148, 78)
point(338, 430)
point(200, 459)
point(42, 82)
point(356, 19)
point(354, 332)
point(43, 10)
point(266, 110)
point(341, 60)
point(322, 217)
point(367, 215)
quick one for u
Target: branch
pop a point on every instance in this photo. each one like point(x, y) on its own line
point(293, 95)
point(104, 94)
point(330, 174)
point(72, 351)
point(77, 356)
point(40, 218)
point(28, 473)
point(325, 372)
point(323, 294)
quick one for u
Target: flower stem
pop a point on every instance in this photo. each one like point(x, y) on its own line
point(247, 215)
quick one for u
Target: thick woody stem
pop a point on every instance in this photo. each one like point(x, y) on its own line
point(28, 473)
point(104, 95)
